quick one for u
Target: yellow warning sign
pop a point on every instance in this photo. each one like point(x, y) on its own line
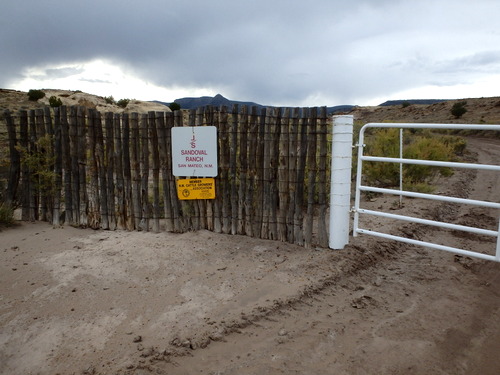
point(196, 188)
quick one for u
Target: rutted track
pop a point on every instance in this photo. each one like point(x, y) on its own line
point(391, 309)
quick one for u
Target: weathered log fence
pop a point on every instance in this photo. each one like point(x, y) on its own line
point(115, 171)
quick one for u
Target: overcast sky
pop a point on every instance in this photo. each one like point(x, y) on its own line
point(273, 52)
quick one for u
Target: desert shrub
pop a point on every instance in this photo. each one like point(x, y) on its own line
point(40, 164)
point(55, 101)
point(385, 142)
point(174, 106)
point(109, 99)
point(405, 104)
point(457, 144)
point(6, 215)
point(458, 109)
point(34, 95)
point(427, 149)
point(122, 103)
point(417, 145)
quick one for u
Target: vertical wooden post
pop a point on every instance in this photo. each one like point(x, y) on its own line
point(56, 213)
point(243, 175)
point(34, 189)
point(153, 136)
point(311, 176)
point(165, 171)
point(274, 130)
point(75, 175)
point(82, 165)
point(225, 153)
point(292, 173)
point(109, 162)
point(49, 195)
point(298, 219)
point(173, 119)
point(15, 161)
point(260, 180)
point(283, 179)
point(266, 182)
point(209, 203)
point(233, 168)
point(119, 173)
point(144, 172)
point(322, 178)
point(127, 174)
point(250, 196)
point(101, 170)
point(49, 129)
point(94, 211)
point(42, 193)
point(25, 178)
point(217, 204)
point(66, 163)
point(136, 171)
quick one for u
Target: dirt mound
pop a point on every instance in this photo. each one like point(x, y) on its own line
point(16, 100)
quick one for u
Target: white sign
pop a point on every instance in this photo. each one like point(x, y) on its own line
point(194, 151)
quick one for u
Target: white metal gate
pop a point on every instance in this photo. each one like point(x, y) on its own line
point(359, 188)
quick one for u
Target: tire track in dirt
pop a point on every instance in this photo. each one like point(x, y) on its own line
point(391, 309)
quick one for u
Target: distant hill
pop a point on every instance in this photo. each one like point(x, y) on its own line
point(412, 101)
point(218, 100)
point(479, 111)
point(215, 101)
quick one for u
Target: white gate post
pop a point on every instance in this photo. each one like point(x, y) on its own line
point(340, 188)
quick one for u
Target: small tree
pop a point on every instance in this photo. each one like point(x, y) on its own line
point(458, 109)
point(174, 106)
point(40, 163)
point(34, 95)
point(109, 99)
point(55, 102)
point(122, 103)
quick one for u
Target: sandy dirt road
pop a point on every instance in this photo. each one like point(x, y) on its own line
point(76, 301)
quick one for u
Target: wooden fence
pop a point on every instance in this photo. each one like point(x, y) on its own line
point(77, 167)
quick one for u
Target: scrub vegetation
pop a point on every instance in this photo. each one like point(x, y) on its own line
point(422, 144)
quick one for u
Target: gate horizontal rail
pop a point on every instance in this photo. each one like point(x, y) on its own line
point(443, 198)
point(434, 163)
point(359, 187)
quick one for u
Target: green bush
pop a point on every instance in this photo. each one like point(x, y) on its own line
point(109, 99)
point(34, 95)
point(40, 164)
point(426, 149)
point(385, 142)
point(174, 106)
point(422, 145)
point(458, 109)
point(6, 215)
point(122, 103)
point(55, 101)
